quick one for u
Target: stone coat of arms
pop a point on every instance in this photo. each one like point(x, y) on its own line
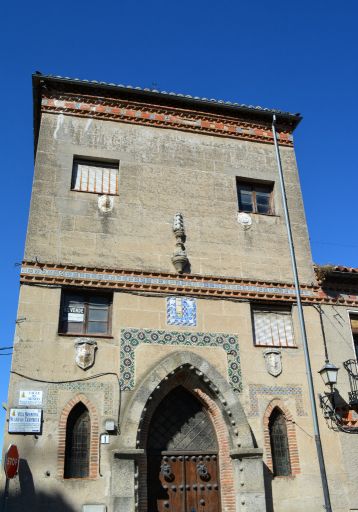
point(273, 361)
point(85, 352)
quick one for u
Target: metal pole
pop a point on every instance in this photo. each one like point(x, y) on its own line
point(6, 495)
point(317, 436)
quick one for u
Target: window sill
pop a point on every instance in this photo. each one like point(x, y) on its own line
point(81, 479)
point(96, 193)
point(261, 214)
point(275, 346)
point(284, 477)
point(85, 335)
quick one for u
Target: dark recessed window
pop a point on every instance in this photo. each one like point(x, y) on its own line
point(354, 326)
point(78, 438)
point(273, 327)
point(279, 444)
point(95, 177)
point(255, 197)
point(85, 313)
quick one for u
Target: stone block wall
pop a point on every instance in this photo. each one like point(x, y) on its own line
point(161, 172)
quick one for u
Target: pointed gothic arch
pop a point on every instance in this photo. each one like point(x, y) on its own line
point(74, 417)
point(221, 403)
point(275, 408)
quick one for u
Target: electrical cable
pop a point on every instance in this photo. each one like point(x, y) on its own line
point(34, 379)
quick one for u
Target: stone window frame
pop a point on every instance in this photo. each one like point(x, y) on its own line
point(353, 316)
point(255, 186)
point(93, 473)
point(285, 309)
point(98, 166)
point(86, 293)
point(291, 436)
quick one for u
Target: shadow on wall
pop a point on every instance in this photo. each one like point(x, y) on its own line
point(23, 496)
point(268, 476)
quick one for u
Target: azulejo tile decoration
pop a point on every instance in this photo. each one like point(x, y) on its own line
point(181, 311)
point(273, 391)
point(113, 278)
point(132, 338)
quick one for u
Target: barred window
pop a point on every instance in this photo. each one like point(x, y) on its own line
point(279, 444)
point(273, 327)
point(78, 438)
point(95, 177)
point(85, 313)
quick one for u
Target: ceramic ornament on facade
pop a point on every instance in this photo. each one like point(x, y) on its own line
point(181, 311)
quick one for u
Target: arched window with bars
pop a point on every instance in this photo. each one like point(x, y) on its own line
point(280, 453)
point(78, 441)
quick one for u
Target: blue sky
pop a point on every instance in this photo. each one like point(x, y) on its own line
point(299, 56)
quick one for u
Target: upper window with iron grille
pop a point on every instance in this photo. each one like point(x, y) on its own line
point(95, 176)
point(273, 327)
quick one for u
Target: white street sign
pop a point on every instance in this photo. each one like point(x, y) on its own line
point(25, 421)
point(30, 397)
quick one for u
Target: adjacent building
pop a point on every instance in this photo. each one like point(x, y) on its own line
point(158, 363)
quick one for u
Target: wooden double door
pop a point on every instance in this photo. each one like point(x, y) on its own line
point(182, 457)
point(185, 482)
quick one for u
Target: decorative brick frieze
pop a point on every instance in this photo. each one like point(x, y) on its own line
point(255, 390)
point(291, 436)
point(94, 441)
point(160, 282)
point(164, 117)
point(170, 283)
point(132, 338)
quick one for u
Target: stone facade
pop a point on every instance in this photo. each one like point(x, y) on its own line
point(194, 330)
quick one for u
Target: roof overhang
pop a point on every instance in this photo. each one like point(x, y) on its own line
point(65, 85)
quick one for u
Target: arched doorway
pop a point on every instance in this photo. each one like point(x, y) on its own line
point(182, 456)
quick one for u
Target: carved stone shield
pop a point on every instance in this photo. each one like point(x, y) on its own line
point(85, 352)
point(273, 361)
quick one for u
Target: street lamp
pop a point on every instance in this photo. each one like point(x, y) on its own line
point(329, 374)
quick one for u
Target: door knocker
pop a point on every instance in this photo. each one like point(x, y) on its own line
point(166, 471)
point(203, 471)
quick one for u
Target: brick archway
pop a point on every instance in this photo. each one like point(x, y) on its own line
point(276, 403)
point(237, 453)
point(94, 442)
point(188, 379)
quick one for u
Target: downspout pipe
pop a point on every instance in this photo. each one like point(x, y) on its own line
point(317, 436)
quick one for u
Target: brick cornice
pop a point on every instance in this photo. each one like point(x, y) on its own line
point(126, 111)
point(170, 283)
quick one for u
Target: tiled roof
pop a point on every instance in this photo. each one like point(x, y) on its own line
point(189, 97)
point(345, 270)
point(335, 272)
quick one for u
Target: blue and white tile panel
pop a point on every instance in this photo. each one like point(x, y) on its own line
point(181, 311)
